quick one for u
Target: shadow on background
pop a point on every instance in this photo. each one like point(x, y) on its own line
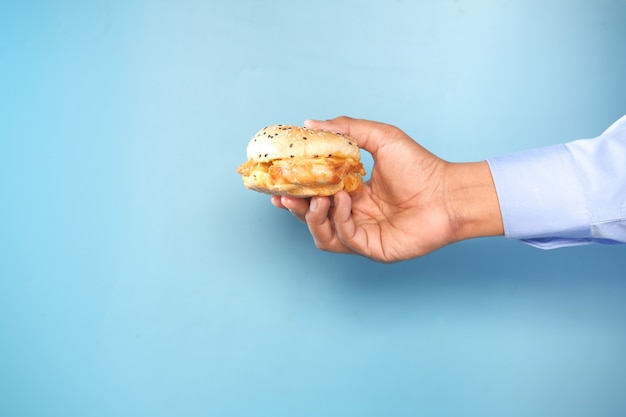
point(488, 276)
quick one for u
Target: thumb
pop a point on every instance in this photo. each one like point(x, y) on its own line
point(368, 134)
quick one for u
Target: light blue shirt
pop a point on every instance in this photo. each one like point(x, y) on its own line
point(568, 194)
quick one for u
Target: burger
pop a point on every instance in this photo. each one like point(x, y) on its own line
point(300, 162)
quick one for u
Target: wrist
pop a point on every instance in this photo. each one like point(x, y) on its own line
point(472, 201)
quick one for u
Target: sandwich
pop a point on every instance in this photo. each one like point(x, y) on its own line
point(300, 162)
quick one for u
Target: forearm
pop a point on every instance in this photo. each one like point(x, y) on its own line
point(472, 201)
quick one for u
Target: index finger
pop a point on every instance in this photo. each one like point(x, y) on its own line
point(368, 134)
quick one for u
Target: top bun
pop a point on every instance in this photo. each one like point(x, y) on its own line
point(282, 141)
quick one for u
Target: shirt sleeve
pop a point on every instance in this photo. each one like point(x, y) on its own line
point(565, 195)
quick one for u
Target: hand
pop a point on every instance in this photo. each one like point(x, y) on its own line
point(413, 204)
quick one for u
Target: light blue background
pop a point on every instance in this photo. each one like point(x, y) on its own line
point(139, 277)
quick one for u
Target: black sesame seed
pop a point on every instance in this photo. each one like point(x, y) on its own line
point(329, 155)
point(291, 145)
point(304, 137)
point(291, 156)
point(266, 155)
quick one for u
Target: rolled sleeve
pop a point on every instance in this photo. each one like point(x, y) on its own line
point(540, 196)
point(564, 195)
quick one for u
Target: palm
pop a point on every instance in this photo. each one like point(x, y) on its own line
point(385, 212)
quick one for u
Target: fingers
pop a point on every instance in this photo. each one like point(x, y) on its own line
point(319, 223)
point(329, 221)
point(369, 135)
point(296, 206)
point(345, 228)
point(316, 214)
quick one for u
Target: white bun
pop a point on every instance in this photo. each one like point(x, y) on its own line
point(281, 142)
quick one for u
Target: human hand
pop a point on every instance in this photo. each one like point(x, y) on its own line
point(413, 204)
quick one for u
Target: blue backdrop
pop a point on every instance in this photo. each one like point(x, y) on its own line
point(139, 278)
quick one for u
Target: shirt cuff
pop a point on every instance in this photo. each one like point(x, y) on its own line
point(541, 198)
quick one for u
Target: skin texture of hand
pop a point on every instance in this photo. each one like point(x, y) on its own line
point(413, 204)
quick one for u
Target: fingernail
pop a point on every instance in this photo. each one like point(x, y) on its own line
point(310, 122)
point(313, 204)
point(285, 202)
